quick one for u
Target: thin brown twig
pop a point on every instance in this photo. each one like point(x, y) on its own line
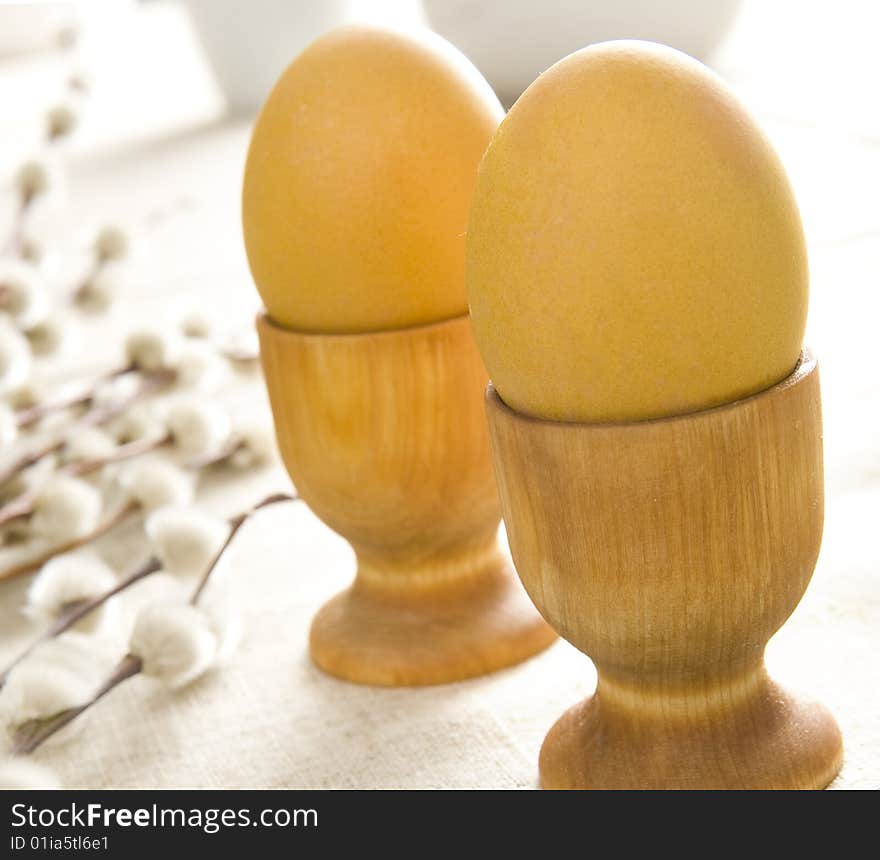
point(129, 450)
point(235, 523)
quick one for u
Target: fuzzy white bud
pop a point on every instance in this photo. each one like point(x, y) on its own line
point(23, 294)
point(196, 323)
point(60, 674)
point(48, 336)
point(33, 178)
point(150, 349)
point(141, 421)
point(96, 295)
point(85, 444)
point(116, 390)
point(186, 540)
point(111, 243)
point(67, 580)
point(198, 428)
point(33, 248)
point(61, 120)
point(175, 643)
point(255, 446)
point(199, 367)
point(101, 288)
point(34, 389)
point(28, 480)
point(155, 483)
point(66, 509)
point(20, 773)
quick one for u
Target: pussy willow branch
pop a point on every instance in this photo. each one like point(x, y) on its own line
point(116, 519)
point(95, 417)
point(23, 505)
point(82, 608)
point(30, 735)
point(111, 522)
point(79, 610)
point(15, 241)
point(81, 393)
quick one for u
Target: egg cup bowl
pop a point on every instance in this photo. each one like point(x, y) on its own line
point(670, 551)
point(385, 439)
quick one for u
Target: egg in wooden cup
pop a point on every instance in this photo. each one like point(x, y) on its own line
point(638, 282)
point(356, 195)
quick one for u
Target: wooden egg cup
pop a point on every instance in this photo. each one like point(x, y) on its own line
point(670, 551)
point(385, 438)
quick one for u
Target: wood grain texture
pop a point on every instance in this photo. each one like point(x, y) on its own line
point(384, 436)
point(670, 551)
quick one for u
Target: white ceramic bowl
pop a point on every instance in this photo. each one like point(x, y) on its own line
point(514, 41)
point(250, 44)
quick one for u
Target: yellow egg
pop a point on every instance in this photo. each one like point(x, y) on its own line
point(634, 248)
point(359, 179)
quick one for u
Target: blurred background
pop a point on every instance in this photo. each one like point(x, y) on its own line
point(167, 91)
point(160, 97)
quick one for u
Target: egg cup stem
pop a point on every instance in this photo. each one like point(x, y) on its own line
point(384, 437)
point(464, 617)
point(670, 551)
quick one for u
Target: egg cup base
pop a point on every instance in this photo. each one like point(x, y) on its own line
point(599, 745)
point(415, 636)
